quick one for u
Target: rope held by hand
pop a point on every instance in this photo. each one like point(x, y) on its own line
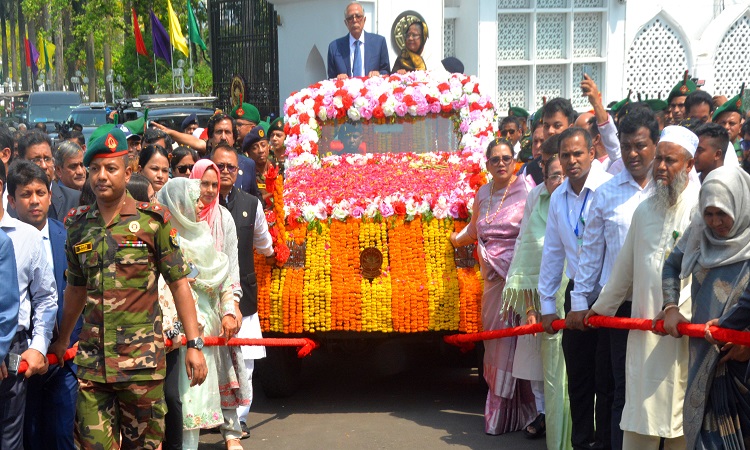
point(695, 330)
point(70, 353)
point(306, 345)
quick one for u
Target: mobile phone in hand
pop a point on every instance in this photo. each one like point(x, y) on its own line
point(193, 271)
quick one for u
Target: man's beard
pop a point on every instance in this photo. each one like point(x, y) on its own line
point(666, 195)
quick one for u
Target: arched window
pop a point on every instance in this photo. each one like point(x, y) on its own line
point(657, 59)
point(732, 62)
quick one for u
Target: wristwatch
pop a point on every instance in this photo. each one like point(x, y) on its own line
point(196, 343)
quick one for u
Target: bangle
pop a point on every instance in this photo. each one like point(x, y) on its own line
point(530, 309)
point(668, 307)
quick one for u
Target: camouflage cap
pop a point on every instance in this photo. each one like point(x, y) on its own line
point(255, 135)
point(734, 104)
point(107, 141)
point(247, 112)
point(276, 125)
point(683, 88)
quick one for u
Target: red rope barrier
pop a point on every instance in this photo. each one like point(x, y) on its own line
point(466, 341)
point(306, 345)
point(23, 366)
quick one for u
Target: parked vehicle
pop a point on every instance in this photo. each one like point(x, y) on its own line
point(51, 107)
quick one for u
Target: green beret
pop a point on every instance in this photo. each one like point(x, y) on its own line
point(107, 141)
point(656, 104)
point(734, 104)
point(276, 125)
point(517, 111)
point(136, 126)
point(265, 125)
point(621, 104)
point(247, 112)
point(683, 88)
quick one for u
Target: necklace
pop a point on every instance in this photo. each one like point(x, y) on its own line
point(487, 218)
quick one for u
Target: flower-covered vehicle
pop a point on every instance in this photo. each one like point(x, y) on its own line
point(379, 172)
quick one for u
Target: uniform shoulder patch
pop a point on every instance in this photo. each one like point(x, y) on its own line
point(75, 214)
point(160, 211)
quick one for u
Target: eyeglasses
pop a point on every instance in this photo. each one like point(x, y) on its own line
point(184, 168)
point(413, 36)
point(507, 132)
point(495, 160)
point(228, 167)
point(354, 18)
point(244, 124)
point(556, 178)
point(47, 160)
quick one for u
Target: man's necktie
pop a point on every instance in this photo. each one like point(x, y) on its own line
point(357, 67)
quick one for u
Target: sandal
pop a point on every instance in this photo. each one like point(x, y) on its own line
point(233, 444)
point(536, 429)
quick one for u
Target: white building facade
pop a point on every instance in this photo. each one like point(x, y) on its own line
point(523, 50)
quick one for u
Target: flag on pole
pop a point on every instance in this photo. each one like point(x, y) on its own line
point(175, 33)
point(32, 56)
point(193, 32)
point(47, 52)
point(160, 39)
point(140, 46)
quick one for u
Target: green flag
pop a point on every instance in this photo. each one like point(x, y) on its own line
point(46, 61)
point(193, 33)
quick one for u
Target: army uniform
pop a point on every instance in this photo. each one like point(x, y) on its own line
point(121, 354)
point(734, 104)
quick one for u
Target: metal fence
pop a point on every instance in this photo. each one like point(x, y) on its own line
point(244, 41)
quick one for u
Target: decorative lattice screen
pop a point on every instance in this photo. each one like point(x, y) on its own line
point(657, 60)
point(587, 35)
point(577, 98)
point(550, 36)
point(513, 4)
point(549, 83)
point(449, 37)
point(732, 62)
point(512, 36)
point(513, 82)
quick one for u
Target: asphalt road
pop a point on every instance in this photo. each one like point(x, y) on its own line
point(347, 401)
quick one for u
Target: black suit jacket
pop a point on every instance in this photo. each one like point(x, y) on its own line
point(376, 56)
point(243, 208)
point(63, 200)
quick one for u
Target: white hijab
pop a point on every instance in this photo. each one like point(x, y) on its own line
point(726, 188)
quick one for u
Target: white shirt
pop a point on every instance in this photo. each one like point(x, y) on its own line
point(36, 282)
point(361, 52)
point(48, 245)
point(609, 220)
point(608, 132)
point(730, 157)
point(566, 211)
point(262, 241)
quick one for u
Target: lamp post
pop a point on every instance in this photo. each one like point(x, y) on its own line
point(178, 74)
point(191, 75)
point(85, 81)
point(110, 83)
point(40, 81)
point(119, 84)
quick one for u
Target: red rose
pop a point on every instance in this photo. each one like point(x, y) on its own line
point(442, 87)
point(291, 110)
point(274, 232)
point(446, 108)
point(476, 181)
point(282, 253)
point(270, 217)
point(476, 89)
point(304, 118)
point(295, 129)
point(431, 99)
point(463, 211)
point(363, 92)
point(475, 107)
point(347, 100)
point(398, 90)
point(339, 83)
point(383, 98)
point(378, 112)
point(315, 86)
point(409, 100)
point(313, 148)
point(399, 208)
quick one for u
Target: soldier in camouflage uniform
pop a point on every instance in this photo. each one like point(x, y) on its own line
point(116, 249)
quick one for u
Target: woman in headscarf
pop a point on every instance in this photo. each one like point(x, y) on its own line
point(204, 237)
point(539, 357)
point(410, 58)
point(715, 250)
point(495, 224)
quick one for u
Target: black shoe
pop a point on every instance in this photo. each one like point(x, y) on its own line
point(245, 431)
point(536, 429)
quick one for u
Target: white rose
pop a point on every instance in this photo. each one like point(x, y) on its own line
point(308, 212)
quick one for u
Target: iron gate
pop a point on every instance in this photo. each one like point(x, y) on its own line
point(244, 41)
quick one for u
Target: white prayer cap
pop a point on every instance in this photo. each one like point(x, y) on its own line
point(680, 136)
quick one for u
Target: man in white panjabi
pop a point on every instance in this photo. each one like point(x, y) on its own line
point(656, 368)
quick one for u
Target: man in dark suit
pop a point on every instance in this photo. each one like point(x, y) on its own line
point(252, 234)
point(50, 398)
point(36, 147)
point(358, 53)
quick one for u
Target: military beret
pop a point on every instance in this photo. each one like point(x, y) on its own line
point(683, 88)
point(619, 105)
point(136, 126)
point(107, 141)
point(255, 135)
point(517, 111)
point(656, 104)
point(246, 111)
point(189, 120)
point(276, 125)
point(734, 104)
point(265, 125)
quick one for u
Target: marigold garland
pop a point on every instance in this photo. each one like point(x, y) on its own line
point(346, 301)
point(376, 293)
point(410, 309)
point(263, 277)
point(317, 290)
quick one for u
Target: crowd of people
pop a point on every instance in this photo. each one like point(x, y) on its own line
point(642, 213)
point(143, 233)
point(117, 244)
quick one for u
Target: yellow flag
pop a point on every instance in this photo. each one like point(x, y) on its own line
point(46, 51)
point(175, 33)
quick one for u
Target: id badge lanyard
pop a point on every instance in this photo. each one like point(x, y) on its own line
point(580, 222)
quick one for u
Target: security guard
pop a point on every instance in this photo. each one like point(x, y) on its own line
point(277, 136)
point(247, 117)
point(731, 116)
point(677, 96)
point(116, 249)
point(256, 146)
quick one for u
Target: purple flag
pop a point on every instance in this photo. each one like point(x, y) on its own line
point(160, 39)
point(32, 56)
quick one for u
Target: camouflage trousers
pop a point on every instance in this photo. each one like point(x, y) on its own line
point(130, 412)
